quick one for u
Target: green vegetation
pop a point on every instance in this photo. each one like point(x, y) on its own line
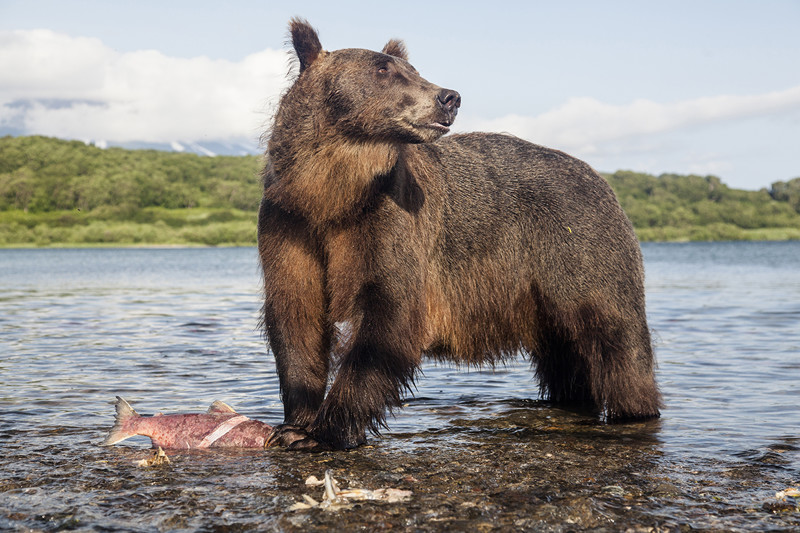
point(112, 226)
point(55, 192)
point(65, 193)
point(701, 208)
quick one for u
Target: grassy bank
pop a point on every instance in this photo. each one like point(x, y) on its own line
point(148, 226)
point(716, 232)
point(155, 226)
point(65, 193)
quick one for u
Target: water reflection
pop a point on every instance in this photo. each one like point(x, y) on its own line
point(173, 330)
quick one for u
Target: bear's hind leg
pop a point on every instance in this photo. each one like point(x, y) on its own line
point(617, 355)
point(624, 378)
point(561, 373)
point(592, 357)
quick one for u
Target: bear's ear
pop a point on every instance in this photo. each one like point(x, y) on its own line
point(306, 42)
point(396, 48)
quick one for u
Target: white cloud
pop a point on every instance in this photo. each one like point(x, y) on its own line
point(74, 87)
point(583, 124)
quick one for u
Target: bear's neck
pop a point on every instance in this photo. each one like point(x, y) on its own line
point(327, 180)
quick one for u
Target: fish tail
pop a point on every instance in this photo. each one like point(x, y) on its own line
point(121, 429)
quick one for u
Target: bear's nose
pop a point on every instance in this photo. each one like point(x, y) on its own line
point(449, 100)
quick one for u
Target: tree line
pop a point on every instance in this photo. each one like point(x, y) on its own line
point(41, 174)
point(691, 207)
point(48, 183)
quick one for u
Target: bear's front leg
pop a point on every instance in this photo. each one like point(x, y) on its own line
point(376, 369)
point(295, 319)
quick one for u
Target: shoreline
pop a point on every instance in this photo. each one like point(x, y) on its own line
point(179, 245)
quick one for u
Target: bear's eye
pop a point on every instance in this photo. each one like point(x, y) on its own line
point(383, 70)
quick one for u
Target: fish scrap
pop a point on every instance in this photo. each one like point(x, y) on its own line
point(158, 458)
point(787, 493)
point(335, 498)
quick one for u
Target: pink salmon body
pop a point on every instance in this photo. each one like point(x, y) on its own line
point(220, 427)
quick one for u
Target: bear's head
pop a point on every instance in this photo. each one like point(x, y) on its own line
point(361, 94)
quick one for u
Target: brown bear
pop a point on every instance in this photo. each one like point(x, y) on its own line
point(381, 241)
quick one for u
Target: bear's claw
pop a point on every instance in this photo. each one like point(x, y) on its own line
point(294, 438)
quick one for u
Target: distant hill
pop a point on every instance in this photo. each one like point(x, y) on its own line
point(678, 207)
point(41, 174)
point(209, 148)
point(67, 192)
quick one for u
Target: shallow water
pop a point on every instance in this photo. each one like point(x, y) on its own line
point(174, 329)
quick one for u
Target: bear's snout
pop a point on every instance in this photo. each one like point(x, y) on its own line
point(449, 101)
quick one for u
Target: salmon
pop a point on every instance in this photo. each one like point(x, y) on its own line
point(220, 427)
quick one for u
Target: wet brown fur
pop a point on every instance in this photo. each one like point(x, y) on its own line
point(380, 242)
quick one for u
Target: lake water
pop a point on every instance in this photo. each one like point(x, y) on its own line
point(174, 329)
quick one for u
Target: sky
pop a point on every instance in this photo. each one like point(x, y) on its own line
point(698, 86)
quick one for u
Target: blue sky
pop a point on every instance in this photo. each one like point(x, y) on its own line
point(707, 87)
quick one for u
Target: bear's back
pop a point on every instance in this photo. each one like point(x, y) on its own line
point(506, 179)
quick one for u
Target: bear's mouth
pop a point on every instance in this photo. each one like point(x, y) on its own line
point(438, 126)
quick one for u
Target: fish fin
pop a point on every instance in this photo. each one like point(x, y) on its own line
point(219, 407)
point(118, 433)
